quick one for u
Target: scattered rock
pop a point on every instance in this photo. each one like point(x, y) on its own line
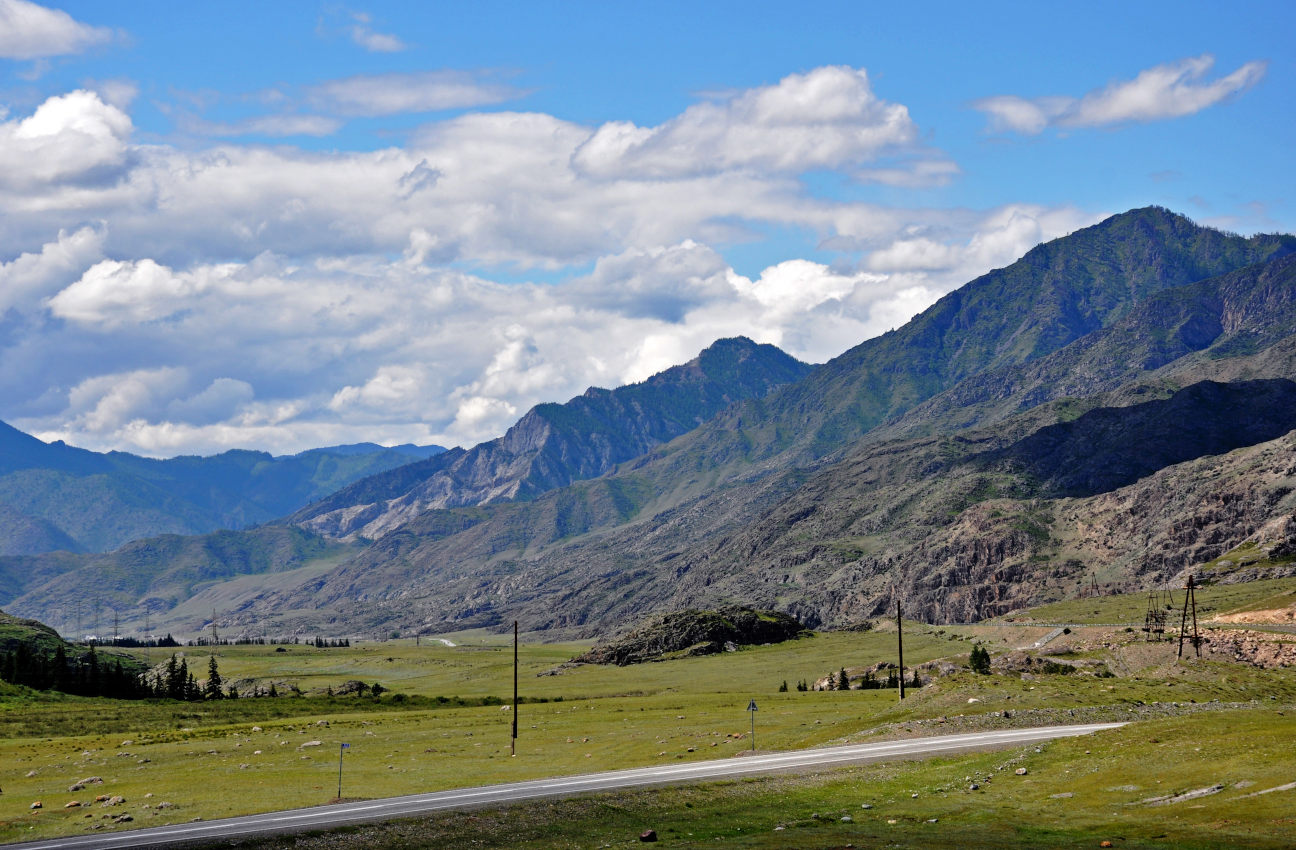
point(974, 787)
point(256, 728)
point(648, 835)
point(310, 744)
point(82, 783)
point(123, 818)
point(972, 700)
point(75, 804)
point(1065, 795)
point(1187, 795)
point(115, 800)
point(36, 805)
point(866, 805)
point(30, 774)
point(1104, 843)
point(847, 819)
point(1021, 771)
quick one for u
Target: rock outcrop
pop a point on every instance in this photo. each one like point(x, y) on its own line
point(687, 633)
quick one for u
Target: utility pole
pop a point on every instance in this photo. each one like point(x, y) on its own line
point(1190, 599)
point(513, 742)
point(341, 749)
point(900, 647)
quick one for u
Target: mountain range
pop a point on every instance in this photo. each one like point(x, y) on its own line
point(1115, 407)
point(57, 497)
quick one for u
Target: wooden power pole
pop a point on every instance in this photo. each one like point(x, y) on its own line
point(900, 647)
point(513, 741)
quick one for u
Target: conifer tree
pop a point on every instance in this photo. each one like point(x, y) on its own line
point(212, 690)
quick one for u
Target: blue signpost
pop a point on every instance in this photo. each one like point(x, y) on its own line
point(751, 706)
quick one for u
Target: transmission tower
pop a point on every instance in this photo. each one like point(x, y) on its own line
point(1190, 601)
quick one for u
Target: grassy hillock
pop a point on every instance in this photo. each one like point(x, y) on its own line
point(687, 633)
point(35, 636)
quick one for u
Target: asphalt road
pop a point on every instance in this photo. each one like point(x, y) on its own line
point(325, 817)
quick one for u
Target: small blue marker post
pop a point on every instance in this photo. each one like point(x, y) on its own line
point(341, 747)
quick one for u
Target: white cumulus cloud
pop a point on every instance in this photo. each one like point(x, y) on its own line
point(1172, 90)
point(826, 118)
point(29, 31)
point(71, 138)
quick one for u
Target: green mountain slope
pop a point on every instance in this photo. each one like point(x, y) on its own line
point(1057, 293)
point(153, 576)
point(554, 445)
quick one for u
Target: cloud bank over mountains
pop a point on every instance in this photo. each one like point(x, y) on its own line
point(165, 298)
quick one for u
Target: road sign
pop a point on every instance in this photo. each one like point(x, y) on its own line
point(751, 706)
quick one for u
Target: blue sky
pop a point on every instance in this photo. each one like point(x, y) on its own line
point(291, 224)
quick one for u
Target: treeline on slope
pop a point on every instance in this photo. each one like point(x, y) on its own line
point(80, 673)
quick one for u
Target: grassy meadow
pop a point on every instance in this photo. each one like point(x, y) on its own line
point(444, 722)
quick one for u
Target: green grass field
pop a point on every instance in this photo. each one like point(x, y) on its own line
point(1212, 600)
point(1076, 793)
point(441, 725)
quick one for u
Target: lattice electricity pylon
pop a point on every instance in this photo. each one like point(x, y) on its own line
point(1155, 621)
point(1190, 599)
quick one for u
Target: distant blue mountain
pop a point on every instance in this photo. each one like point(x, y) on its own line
point(54, 496)
point(353, 449)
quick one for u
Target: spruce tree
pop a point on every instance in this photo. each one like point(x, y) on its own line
point(212, 690)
